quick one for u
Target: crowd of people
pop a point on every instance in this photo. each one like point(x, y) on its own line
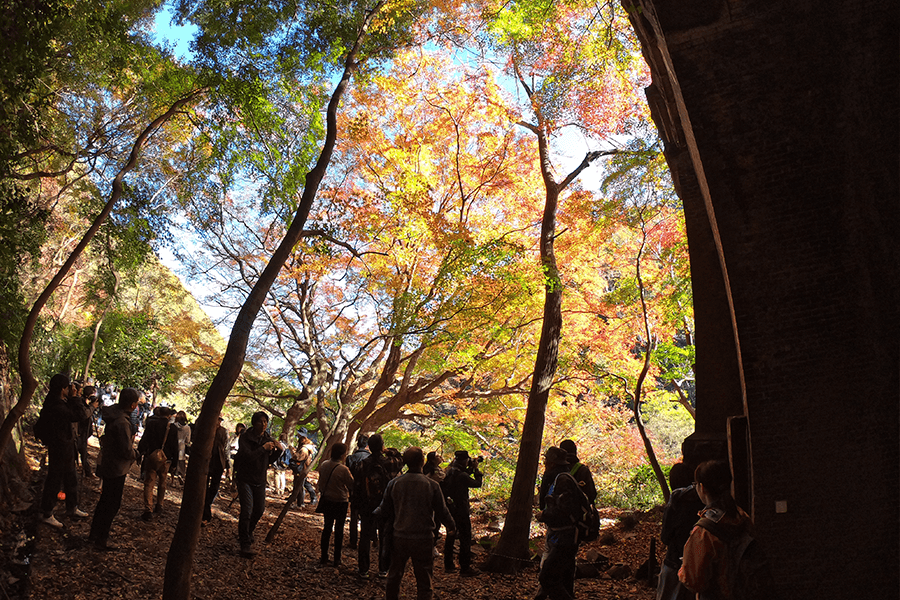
point(397, 502)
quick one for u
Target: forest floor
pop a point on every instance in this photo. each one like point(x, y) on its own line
point(39, 562)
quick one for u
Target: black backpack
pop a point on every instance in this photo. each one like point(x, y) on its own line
point(747, 571)
point(581, 511)
point(42, 429)
point(591, 529)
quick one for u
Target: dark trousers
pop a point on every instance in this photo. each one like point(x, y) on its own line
point(107, 508)
point(368, 531)
point(212, 489)
point(335, 515)
point(354, 525)
point(60, 474)
point(420, 551)
point(253, 504)
point(464, 535)
point(557, 576)
point(83, 456)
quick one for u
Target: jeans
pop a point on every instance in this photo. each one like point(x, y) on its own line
point(368, 531)
point(60, 474)
point(557, 576)
point(253, 504)
point(335, 514)
point(107, 508)
point(420, 551)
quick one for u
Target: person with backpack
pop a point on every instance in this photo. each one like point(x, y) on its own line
point(564, 507)
point(369, 481)
point(706, 568)
point(353, 461)
point(678, 520)
point(54, 428)
point(461, 475)
point(300, 463)
point(117, 454)
point(579, 471)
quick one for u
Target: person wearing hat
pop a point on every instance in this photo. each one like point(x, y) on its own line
point(217, 463)
point(579, 471)
point(462, 474)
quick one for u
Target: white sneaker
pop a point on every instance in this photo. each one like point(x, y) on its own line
point(52, 522)
point(78, 513)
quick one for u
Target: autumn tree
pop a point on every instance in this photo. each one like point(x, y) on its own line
point(573, 69)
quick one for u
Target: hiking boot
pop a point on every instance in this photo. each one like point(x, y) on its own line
point(449, 568)
point(158, 509)
point(248, 551)
point(77, 514)
point(52, 522)
point(147, 516)
point(382, 574)
point(469, 572)
point(363, 575)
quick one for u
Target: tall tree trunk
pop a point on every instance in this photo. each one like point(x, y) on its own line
point(26, 376)
point(512, 548)
point(180, 559)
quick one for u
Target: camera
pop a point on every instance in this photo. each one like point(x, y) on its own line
point(473, 463)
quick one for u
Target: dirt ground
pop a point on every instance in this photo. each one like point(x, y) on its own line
point(42, 563)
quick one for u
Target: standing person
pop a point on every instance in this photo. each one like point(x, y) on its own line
point(159, 434)
point(335, 483)
point(556, 541)
point(306, 452)
point(370, 481)
point(461, 475)
point(256, 451)
point(579, 471)
point(117, 454)
point(353, 462)
point(217, 463)
point(413, 502)
point(562, 504)
point(704, 567)
point(233, 447)
point(184, 444)
point(678, 521)
point(62, 408)
point(85, 427)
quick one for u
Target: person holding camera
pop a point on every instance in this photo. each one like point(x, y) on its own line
point(462, 474)
point(256, 451)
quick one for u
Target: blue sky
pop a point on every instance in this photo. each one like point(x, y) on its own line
point(167, 34)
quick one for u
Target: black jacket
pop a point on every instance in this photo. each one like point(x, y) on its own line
point(252, 460)
point(60, 415)
point(154, 432)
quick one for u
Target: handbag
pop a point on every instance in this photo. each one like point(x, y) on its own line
point(322, 504)
point(156, 460)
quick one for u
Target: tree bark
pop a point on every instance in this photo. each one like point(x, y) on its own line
point(26, 376)
point(180, 559)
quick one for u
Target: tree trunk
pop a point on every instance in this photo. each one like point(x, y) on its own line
point(180, 559)
point(29, 383)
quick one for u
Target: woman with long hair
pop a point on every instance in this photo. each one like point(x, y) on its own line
point(705, 566)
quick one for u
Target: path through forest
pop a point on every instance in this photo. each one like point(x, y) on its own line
point(61, 565)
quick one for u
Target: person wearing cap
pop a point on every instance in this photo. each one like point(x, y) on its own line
point(353, 461)
point(412, 503)
point(461, 475)
point(578, 470)
point(217, 463)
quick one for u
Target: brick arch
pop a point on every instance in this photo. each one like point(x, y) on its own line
point(780, 122)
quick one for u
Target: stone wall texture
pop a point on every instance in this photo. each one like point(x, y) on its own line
point(782, 125)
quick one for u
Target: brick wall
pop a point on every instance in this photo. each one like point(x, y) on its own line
point(788, 113)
